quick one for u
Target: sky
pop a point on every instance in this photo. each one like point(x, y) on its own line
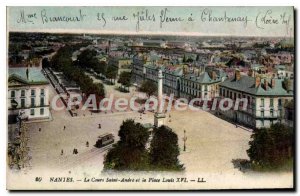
point(197, 21)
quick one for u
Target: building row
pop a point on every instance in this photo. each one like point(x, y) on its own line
point(266, 97)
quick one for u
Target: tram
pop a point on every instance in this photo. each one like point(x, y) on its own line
point(104, 140)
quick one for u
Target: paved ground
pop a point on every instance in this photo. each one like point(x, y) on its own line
point(211, 144)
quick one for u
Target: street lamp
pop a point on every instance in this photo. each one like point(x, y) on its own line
point(184, 140)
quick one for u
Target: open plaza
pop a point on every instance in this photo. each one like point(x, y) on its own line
point(211, 146)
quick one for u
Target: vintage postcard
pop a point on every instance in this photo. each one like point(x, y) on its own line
point(150, 98)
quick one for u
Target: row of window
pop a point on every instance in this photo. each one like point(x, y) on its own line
point(32, 112)
point(33, 92)
point(262, 113)
point(194, 85)
point(32, 102)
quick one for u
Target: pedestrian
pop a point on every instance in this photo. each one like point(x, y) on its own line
point(99, 126)
point(74, 151)
point(87, 144)
point(64, 127)
point(62, 152)
point(40, 129)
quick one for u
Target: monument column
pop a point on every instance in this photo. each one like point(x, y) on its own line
point(159, 116)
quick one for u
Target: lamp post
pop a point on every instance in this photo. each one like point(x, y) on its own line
point(184, 140)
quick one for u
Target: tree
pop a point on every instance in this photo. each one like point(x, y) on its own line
point(100, 67)
point(111, 73)
point(45, 63)
point(184, 58)
point(87, 58)
point(148, 87)
point(130, 151)
point(271, 147)
point(125, 78)
point(164, 150)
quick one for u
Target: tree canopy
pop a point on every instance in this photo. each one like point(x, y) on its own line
point(62, 61)
point(148, 87)
point(125, 79)
point(271, 147)
point(130, 151)
point(164, 149)
point(111, 73)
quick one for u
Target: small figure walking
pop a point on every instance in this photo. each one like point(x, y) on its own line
point(40, 129)
point(74, 151)
point(62, 152)
point(99, 126)
point(87, 144)
point(64, 127)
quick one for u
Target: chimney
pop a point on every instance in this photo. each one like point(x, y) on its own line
point(237, 75)
point(273, 82)
point(257, 82)
point(288, 85)
point(250, 73)
point(27, 73)
point(266, 84)
point(214, 75)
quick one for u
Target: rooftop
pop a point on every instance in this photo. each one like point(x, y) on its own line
point(247, 84)
point(35, 75)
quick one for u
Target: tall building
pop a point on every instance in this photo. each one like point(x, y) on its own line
point(28, 94)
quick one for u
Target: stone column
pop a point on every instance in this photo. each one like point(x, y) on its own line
point(159, 116)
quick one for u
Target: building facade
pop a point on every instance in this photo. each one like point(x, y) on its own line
point(28, 94)
point(265, 99)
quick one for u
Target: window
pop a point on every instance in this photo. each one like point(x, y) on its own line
point(42, 101)
point(279, 102)
point(13, 94)
point(22, 93)
point(205, 87)
point(32, 92)
point(271, 102)
point(32, 102)
point(42, 111)
point(262, 104)
point(22, 103)
point(42, 91)
point(271, 113)
point(32, 112)
point(262, 113)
